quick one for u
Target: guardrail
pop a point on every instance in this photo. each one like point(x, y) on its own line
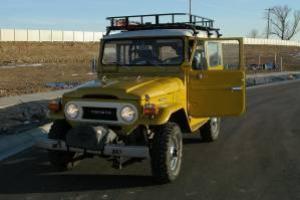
point(30, 35)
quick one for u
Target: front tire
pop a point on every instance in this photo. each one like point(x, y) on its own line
point(211, 130)
point(166, 153)
point(59, 159)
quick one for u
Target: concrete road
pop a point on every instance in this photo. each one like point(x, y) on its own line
point(256, 157)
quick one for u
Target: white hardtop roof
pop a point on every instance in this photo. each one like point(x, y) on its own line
point(153, 33)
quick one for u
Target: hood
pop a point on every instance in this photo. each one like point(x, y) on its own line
point(127, 88)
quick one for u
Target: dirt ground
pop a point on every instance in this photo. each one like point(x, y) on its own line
point(25, 80)
point(47, 52)
point(263, 54)
point(46, 62)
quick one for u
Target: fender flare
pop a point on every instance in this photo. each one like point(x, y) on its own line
point(165, 114)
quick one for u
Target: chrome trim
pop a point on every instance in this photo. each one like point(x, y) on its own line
point(237, 88)
point(118, 106)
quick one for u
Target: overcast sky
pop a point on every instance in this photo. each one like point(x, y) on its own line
point(234, 17)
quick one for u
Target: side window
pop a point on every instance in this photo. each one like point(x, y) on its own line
point(199, 60)
point(110, 54)
point(214, 54)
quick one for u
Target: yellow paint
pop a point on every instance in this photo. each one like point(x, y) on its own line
point(201, 94)
point(219, 67)
point(196, 123)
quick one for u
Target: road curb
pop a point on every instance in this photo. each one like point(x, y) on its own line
point(6, 102)
point(273, 84)
point(13, 144)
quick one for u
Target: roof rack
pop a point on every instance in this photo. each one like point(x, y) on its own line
point(162, 21)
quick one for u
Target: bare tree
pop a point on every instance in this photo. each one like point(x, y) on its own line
point(281, 24)
point(253, 33)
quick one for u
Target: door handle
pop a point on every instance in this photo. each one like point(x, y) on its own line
point(236, 89)
point(199, 76)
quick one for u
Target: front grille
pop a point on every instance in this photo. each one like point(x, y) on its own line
point(106, 114)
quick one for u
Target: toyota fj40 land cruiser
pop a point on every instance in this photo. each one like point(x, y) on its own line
point(159, 77)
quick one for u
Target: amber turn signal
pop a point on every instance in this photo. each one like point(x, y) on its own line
point(54, 106)
point(150, 109)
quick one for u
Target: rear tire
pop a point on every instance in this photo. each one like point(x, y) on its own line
point(166, 153)
point(211, 130)
point(59, 159)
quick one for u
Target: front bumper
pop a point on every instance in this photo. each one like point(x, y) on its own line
point(109, 149)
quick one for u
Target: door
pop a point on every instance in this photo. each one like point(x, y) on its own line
point(216, 81)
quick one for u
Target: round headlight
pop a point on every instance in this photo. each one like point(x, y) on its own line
point(72, 111)
point(128, 114)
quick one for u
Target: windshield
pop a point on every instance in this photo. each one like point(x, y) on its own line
point(141, 52)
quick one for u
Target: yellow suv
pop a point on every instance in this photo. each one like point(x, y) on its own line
point(160, 77)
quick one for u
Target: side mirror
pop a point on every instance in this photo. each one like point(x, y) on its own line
point(199, 61)
point(93, 65)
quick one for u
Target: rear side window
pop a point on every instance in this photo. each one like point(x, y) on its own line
point(214, 54)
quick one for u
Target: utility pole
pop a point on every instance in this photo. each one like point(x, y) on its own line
point(190, 7)
point(268, 18)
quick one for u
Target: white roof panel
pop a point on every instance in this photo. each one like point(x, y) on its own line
point(150, 33)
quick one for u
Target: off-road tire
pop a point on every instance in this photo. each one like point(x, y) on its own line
point(60, 160)
point(162, 161)
point(211, 130)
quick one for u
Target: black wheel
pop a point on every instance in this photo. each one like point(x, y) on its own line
point(210, 131)
point(166, 152)
point(59, 159)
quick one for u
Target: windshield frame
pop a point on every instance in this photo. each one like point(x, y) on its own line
point(104, 41)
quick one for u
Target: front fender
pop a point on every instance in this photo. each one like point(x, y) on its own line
point(165, 114)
